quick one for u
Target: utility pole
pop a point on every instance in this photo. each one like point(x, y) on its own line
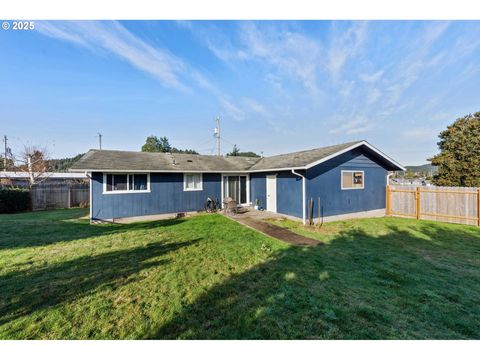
point(100, 141)
point(216, 134)
point(5, 139)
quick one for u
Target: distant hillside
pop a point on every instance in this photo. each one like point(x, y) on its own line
point(427, 168)
point(62, 165)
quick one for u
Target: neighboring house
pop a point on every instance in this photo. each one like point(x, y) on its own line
point(22, 179)
point(349, 178)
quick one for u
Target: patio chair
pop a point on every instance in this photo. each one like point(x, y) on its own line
point(230, 207)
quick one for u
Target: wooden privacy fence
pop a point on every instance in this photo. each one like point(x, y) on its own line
point(439, 203)
point(57, 196)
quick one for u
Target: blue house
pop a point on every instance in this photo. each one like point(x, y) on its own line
point(349, 180)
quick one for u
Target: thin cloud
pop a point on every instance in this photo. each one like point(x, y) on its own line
point(416, 62)
point(355, 126)
point(372, 78)
point(256, 107)
point(232, 110)
point(112, 37)
point(290, 52)
point(345, 46)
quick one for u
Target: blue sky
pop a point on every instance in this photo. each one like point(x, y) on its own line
point(278, 86)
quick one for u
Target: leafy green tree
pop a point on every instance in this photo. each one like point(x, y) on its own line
point(459, 159)
point(154, 144)
point(236, 152)
point(248, 154)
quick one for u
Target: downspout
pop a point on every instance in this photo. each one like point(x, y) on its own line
point(390, 173)
point(304, 195)
point(89, 176)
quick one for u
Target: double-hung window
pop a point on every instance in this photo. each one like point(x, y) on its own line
point(192, 182)
point(352, 179)
point(125, 183)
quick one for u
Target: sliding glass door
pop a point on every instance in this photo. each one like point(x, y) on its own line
point(235, 187)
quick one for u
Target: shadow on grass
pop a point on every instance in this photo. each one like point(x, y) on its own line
point(49, 227)
point(24, 292)
point(396, 285)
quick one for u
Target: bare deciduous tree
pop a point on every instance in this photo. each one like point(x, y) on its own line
point(34, 161)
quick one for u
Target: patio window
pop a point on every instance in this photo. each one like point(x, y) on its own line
point(235, 187)
point(352, 179)
point(122, 183)
point(192, 182)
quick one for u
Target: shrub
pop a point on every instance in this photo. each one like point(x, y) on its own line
point(14, 200)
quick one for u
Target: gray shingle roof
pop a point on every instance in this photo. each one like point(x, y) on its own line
point(299, 158)
point(138, 161)
point(100, 160)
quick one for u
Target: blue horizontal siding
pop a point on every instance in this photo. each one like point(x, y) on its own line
point(258, 189)
point(166, 196)
point(324, 180)
point(289, 194)
point(289, 191)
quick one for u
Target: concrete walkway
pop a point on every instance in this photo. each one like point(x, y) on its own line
point(256, 220)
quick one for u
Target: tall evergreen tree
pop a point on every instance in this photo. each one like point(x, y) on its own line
point(235, 151)
point(459, 159)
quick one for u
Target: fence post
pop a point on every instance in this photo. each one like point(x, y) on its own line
point(417, 202)
point(387, 207)
point(478, 206)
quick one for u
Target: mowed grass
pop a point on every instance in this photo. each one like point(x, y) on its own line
point(210, 277)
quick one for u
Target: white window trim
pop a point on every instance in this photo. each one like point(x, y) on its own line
point(352, 188)
point(185, 182)
point(105, 192)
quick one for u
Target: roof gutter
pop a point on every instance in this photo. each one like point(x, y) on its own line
point(304, 195)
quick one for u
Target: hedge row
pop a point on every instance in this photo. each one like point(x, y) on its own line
point(14, 200)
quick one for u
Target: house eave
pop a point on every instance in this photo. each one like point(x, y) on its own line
point(361, 143)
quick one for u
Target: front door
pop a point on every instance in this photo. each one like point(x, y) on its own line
point(272, 193)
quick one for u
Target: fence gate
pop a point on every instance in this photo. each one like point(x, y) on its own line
point(439, 203)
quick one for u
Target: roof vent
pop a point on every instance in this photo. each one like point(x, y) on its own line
point(173, 162)
point(189, 160)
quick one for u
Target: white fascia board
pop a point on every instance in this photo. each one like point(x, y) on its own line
point(122, 171)
point(378, 152)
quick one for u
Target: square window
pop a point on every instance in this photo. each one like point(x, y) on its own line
point(192, 182)
point(352, 179)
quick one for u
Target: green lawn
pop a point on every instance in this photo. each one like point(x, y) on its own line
point(209, 277)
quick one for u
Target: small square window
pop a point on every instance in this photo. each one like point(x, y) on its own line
point(192, 182)
point(352, 180)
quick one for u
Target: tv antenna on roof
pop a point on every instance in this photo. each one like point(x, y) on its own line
point(216, 134)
